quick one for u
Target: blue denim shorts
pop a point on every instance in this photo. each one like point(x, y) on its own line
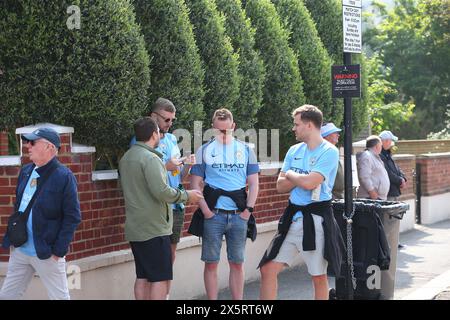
point(235, 230)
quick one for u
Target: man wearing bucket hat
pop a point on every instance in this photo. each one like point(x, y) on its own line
point(47, 192)
point(397, 178)
point(331, 133)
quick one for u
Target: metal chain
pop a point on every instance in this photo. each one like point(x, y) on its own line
point(350, 245)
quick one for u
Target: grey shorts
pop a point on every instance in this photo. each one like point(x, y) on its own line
point(178, 224)
point(292, 245)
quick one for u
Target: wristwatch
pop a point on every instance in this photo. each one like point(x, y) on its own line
point(250, 209)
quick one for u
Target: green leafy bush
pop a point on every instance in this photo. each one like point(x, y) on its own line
point(283, 91)
point(251, 66)
point(313, 59)
point(177, 73)
point(222, 79)
point(94, 78)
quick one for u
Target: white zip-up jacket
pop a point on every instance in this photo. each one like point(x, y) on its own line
point(372, 175)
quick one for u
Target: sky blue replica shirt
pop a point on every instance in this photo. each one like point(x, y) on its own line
point(323, 159)
point(168, 147)
point(28, 247)
point(225, 166)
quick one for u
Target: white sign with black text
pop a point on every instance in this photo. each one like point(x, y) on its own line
point(351, 17)
point(352, 3)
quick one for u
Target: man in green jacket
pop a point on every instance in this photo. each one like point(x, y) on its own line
point(149, 219)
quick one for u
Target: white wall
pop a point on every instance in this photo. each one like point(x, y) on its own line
point(111, 276)
point(409, 219)
point(435, 208)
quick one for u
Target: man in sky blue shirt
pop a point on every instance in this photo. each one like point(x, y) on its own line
point(28, 247)
point(308, 173)
point(163, 112)
point(227, 164)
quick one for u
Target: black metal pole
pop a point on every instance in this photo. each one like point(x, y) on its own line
point(348, 195)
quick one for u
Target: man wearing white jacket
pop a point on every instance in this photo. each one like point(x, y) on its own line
point(373, 177)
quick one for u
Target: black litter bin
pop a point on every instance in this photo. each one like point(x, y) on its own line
point(375, 233)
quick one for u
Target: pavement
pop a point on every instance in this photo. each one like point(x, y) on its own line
point(423, 270)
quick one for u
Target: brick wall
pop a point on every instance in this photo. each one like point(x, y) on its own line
point(8, 181)
point(418, 147)
point(3, 143)
point(102, 205)
point(435, 173)
point(408, 165)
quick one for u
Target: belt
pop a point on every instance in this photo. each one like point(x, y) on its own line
point(226, 211)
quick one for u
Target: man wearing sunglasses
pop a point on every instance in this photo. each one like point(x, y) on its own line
point(163, 112)
point(224, 166)
point(50, 189)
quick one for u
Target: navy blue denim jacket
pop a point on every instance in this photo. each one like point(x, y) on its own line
point(56, 210)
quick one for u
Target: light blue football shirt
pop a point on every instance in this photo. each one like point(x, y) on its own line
point(225, 166)
point(323, 159)
point(28, 247)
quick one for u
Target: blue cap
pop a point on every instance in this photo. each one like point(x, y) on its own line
point(44, 133)
point(328, 129)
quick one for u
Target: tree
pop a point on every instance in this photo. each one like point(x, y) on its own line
point(312, 56)
point(360, 106)
point(94, 78)
point(386, 112)
point(444, 133)
point(220, 62)
point(328, 17)
point(414, 42)
point(283, 91)
point(251, 66)
point(177, 73)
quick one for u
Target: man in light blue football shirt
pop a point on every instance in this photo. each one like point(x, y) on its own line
point(163, 112)
point(225, 165)
point(308, 173)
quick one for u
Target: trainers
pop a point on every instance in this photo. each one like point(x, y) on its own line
point(401, 246)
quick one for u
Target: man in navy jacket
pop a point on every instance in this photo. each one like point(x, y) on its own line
point(54, 216)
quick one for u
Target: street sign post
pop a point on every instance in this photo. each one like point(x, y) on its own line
point(351, 23)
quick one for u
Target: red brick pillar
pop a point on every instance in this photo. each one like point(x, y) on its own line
point(3, 143)
point(407, 164)
point(64, 154)
point(8, 182)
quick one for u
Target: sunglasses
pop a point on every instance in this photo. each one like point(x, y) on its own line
point(166, 120)
point(32, 142)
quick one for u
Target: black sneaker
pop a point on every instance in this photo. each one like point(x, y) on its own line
point(332, 294)
point(401, 246)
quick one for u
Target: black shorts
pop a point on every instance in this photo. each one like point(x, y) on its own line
point(153, 259)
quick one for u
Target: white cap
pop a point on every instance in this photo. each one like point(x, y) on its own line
point(385, 135)
point(328, 129)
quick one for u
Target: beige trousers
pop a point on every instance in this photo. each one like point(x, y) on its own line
point(21, 269)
